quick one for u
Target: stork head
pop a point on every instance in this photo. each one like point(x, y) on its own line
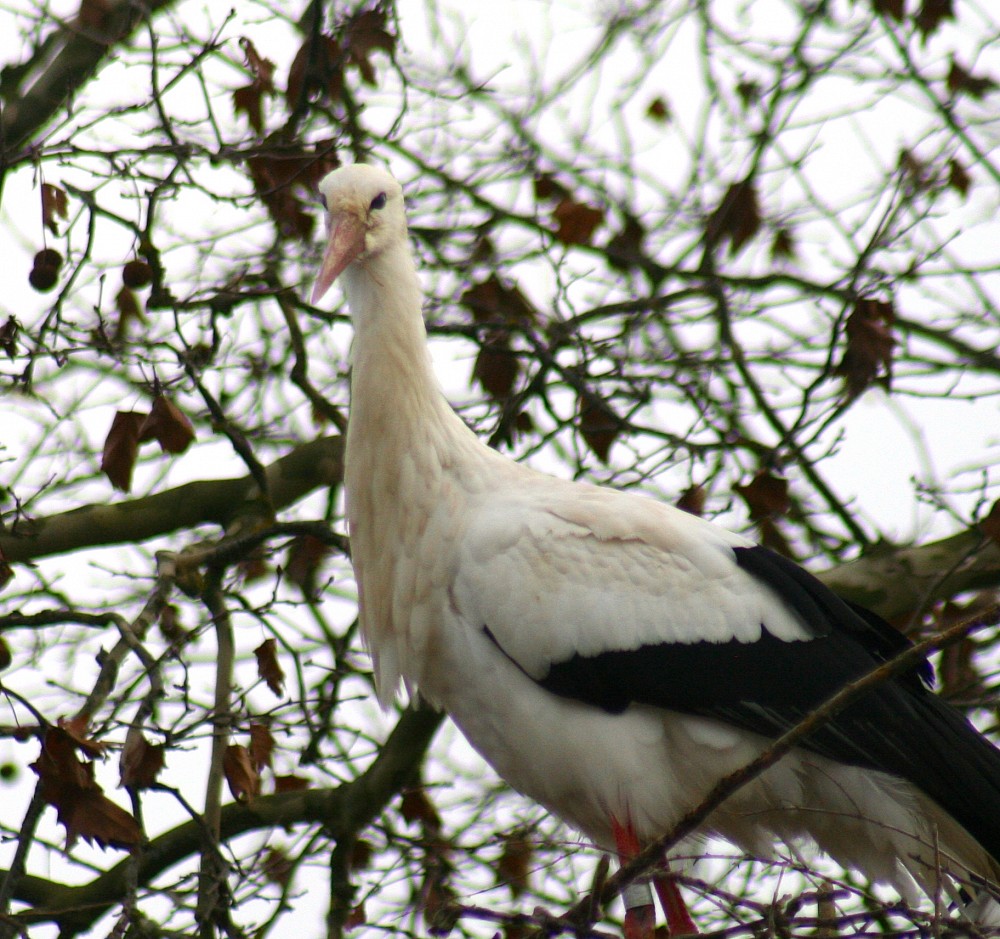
point(364, 214)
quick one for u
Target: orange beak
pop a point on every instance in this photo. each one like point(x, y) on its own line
point(346, 242)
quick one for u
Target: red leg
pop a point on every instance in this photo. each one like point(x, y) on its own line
point(640, 914)
point(679, 922)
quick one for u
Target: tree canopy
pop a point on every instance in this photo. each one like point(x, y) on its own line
point(743, 257)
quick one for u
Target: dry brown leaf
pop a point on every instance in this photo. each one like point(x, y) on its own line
point(416, 806)
point(892, 8)
point(5, 655)
point(364, 34)
point(260, 67)
point(548, 187)
point(766, 496)
point(8, 337)
point(961, 81)
point(91, 815)
point(318, 67)
point(55, 206)
point(514, 864)
point(362, 853)
point(958, 177)
point(870, 344)
point(268, 667)
point(67, 783)
point(306, 555)
point(140, 762)
point(692, 500)
point(576, 222)
point(931, 14)
point(599, 425)
point(129, 311)
point(494, 303)
point(497, 368)
point(783, 245)
point(277, 867)
point(243, 779)
point(120, 448)
point(277, 174)
point(625, 250)
point(737, 219)
point(261, 746)
point(249, 100)
point(357, 917)
point(76, 728)
point(167, 425)
point(658, 110)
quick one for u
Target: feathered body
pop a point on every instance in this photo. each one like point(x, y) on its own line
point(610, 656)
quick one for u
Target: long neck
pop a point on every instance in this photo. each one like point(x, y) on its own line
point(408, 453)
point(394, 393)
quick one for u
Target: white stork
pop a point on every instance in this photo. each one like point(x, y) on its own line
point(613, 657)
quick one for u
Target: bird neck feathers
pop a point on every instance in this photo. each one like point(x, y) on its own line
point(403, 444)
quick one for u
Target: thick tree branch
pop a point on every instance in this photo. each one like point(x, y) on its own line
point(306, 468)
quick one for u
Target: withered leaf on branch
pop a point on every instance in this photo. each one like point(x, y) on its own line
point(625, 249)
point(931, 14)
point(277, 867)
point(548, 187)
point(268, 667)
point(962, 81)
point(692, 500)
point(77, 728)
point(365, 33)
point(167, 425)
point(868, 356)
point(249, 99)
point(55, 206)
point(737, 219)
point(120, 448)
point(658, 110)
point(893, 8)
point(279, 173)
point(766, 495)
point(416, 806)
point(497, 367)
point(318, 68)
point(140, 762)
point(958, 177)
point(243, 779)
point(67, 783)
point(598, 424)
point(767, 499)
point(576, 222)
point(306, 555)
point(514, 864)
point(8, 337)
point(129, 311)
point(783, 245)
point(493, 302)
point(261, 746)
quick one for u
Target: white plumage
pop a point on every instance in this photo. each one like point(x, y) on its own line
point(610, 656)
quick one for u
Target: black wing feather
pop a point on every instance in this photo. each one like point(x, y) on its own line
point(769, 685)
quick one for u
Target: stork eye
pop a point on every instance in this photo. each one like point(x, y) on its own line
point(377, 203)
